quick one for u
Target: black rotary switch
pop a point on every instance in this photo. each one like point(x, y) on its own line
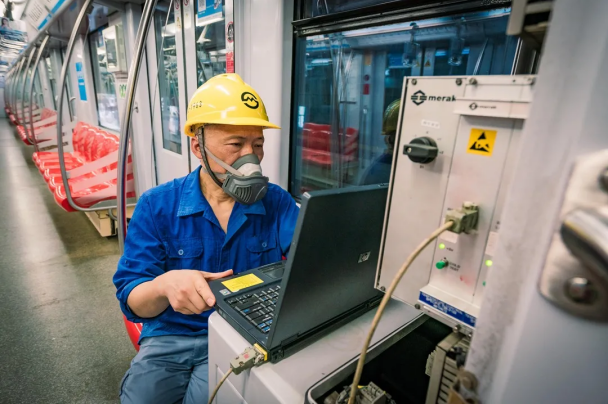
point(421, 150)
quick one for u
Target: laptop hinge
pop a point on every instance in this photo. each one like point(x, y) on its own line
point(289, 340)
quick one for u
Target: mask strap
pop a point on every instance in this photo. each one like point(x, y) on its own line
point(205, 161)
point(224, 165)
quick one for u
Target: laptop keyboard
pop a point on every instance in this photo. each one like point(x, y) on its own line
point(258, 307)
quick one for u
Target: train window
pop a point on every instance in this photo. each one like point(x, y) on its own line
point(210, 41)
point(168, 83)
point(348, 87)
point(105, 83)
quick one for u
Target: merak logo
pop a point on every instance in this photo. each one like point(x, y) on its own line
point(419, 97)
point(250, 100)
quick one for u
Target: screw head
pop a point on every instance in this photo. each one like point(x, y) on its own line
point(414, 81)
point(382, 288)
point(417, 306)
point(581, 290)
point(409, 149)
point(458, 82)
point(472, 81)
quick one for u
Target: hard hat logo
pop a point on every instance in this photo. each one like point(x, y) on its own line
point(250, 100)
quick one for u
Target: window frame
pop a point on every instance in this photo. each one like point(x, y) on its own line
point(398, 11)
point(95, 69)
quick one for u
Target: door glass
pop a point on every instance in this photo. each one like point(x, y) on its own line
point(210, 40)
point(168, 87)
point(105, 83)
point(348, 88)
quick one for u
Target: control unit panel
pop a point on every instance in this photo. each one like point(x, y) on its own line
point(457, 144)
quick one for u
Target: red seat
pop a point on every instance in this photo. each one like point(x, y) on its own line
point(134, 331)
point(316, 144)
point(86, 198)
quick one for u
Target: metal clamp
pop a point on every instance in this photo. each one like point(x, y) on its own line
point(575, 277)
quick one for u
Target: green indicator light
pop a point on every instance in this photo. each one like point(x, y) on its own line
point(489, 263)
point(441, 264)
point(441, 246)
point(484, 283)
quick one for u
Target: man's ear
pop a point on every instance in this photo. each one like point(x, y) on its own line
point(196, 147)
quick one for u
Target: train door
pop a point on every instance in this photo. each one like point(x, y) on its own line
point(167, 85)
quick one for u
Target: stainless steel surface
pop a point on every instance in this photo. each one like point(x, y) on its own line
point(14, 87)
point(25, 74)
point(30, 133)
point(123, 149)
point(62, 88)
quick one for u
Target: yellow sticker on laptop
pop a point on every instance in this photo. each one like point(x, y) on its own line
point(242, 282)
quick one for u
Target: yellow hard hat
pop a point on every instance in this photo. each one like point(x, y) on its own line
point(226, 99)
point(391, 117)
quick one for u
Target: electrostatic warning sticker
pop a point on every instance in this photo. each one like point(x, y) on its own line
point(242, 282)
point(481, 141)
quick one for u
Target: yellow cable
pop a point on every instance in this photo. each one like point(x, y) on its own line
point(384, 302)
point(217, 388)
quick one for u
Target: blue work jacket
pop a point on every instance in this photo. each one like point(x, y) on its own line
point(174, 227)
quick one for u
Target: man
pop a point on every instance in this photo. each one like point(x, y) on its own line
point(222, 218)
point(379, 170)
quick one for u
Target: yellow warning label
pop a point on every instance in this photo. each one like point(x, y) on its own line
point(242, 282)
point(428, 63)
point(481, 141)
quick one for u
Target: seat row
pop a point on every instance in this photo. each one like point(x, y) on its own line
point(91, 156)
point(91, 168)
point(317, 140)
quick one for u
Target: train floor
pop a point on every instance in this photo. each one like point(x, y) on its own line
point(62, 339)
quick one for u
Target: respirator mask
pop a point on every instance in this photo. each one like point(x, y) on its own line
point(243, 180)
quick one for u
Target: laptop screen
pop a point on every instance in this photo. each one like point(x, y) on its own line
point(332, 263)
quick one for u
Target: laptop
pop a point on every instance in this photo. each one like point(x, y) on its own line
point(327, 280)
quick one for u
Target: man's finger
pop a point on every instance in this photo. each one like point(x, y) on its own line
point(183, 305)
point(203, 289)
point(197, 301)
point(211, 276)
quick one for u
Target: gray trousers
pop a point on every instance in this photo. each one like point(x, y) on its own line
point(168, 369)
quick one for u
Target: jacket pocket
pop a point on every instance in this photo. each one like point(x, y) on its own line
point(262, 249)
point(184, 253)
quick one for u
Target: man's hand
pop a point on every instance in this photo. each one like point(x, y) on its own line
point(187, 290)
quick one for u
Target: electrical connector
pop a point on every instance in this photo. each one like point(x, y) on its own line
point(250, 357)
point(465, 219)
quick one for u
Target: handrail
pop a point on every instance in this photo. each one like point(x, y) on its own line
point(16, 89)
point(123, 147)
point(7, 84)
point(34, 72)
point(13, 100)
point(62, 85)
point(27, 66)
